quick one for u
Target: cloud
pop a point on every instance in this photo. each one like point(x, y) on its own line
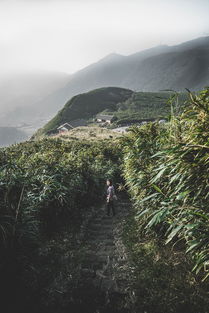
point(69, 34)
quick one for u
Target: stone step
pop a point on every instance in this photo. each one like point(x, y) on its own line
point(94, 227)
point(97, 220)
point(108, 252)
point(110, 248)
point(109, 284)
point(103, 222)
point(105, 242)
point(104, 234)
point(96, 265)
point(101, 229)
point(100, 238)
point(88, 273)
point(98, 258)
point(101, 251)
point(107, 219)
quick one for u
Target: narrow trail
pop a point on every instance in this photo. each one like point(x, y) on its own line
point(105, 261)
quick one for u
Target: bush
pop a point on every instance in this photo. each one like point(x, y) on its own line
point(166, 169)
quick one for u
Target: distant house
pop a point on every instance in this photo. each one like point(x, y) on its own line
point(100, 118)
point(64, 127)
point(144, 122)
point(162, 121)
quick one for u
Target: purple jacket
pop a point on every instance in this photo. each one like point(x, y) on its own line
point(110, 192)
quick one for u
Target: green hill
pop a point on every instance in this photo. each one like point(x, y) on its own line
point(87, 105)
point(125, 105)
point(146, 105)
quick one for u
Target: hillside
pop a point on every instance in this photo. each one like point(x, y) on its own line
point(146, 105)
point(33, 98)
point(162, 67)
point(86, 106)
point(125, 105)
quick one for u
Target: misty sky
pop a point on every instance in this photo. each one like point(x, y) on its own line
point(66, 35)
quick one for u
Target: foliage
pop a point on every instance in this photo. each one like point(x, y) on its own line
point(51, 180)
point(86, 106)
point(47, 187)
point(125, 105)
point(167, 169)
point(49, 184)
point(146, 105)
point(162, 281)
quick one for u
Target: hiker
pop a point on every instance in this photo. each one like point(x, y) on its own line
point(110, 197)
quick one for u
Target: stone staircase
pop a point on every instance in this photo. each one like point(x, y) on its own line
point(104, 256)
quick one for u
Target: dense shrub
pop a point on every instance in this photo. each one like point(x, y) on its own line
point(47, 188)
point(166, 169)
point(47, 184)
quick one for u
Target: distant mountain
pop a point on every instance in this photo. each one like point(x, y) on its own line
point(162, 67)
point(35, 98)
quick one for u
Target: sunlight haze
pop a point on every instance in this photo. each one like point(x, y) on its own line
point(65, 36)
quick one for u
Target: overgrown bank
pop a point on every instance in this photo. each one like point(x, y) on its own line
point(49, 187)
point(47, 191)
point(166, 170)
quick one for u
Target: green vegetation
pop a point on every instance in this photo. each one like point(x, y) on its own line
point(48, 188)
point(162, 278)
point(166, 169)
point(51, 181)
point(86, 106)
point(125, 105)
point(146, 105)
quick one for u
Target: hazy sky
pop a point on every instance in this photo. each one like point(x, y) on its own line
point(66, 35)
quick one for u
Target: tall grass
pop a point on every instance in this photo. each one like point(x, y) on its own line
point(47, 184)
point(166, 168)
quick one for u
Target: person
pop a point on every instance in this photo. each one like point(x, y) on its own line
point(110, 197)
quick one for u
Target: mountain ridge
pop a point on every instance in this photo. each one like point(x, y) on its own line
point(171, 70)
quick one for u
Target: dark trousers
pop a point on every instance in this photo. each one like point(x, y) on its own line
point(110, 206)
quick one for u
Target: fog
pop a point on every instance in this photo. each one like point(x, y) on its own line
point(42, 42)
point(66, 35)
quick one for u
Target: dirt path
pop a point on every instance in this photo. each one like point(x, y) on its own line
point(105, 261)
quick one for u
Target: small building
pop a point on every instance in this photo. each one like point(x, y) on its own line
point(144, 122)
point(162, 121)
point(100, 118)
point(64, 127)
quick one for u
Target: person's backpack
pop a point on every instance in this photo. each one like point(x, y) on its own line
point(114, 195)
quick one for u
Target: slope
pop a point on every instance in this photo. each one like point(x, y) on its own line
point(176, 67)
point(86, 105)
point(125, 105)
